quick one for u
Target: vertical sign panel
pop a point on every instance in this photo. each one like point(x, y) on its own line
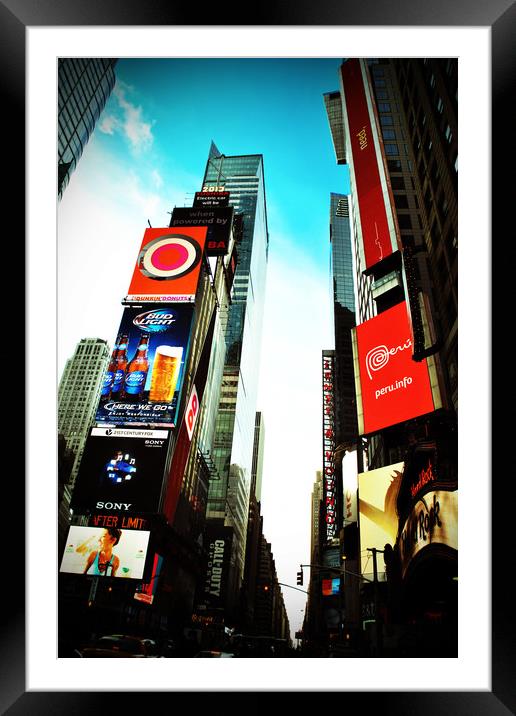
point(376, 220)
point(329, 494)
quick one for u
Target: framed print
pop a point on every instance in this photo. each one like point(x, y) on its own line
point(23, 688)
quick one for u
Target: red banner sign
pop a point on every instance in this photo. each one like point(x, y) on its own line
point(393, 387)
point(378, 237)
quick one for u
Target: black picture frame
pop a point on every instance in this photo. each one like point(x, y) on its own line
point(500, 16)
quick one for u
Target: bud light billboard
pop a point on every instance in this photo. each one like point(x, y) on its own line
point(121, 471)
point(142, 383)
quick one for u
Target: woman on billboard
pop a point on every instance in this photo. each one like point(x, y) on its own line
point(103, 562)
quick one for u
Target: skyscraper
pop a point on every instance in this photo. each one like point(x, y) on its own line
point(79, 393)
point(228, 499)
point(84, 85)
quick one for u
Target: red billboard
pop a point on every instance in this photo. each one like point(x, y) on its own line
point(168, 265)
point(390, 386)
point(376, 222)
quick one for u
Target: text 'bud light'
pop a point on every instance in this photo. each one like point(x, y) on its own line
point(155, 321)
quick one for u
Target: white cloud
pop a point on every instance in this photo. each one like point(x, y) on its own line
point(135, 128)
point(157, 179)
point(109, 124)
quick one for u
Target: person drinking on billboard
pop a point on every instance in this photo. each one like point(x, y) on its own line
point(103, 562)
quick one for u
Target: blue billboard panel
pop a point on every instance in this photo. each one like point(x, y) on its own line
point(142, 384)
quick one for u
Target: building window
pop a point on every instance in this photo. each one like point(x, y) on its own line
point(384, 107)
point(386, 119)
point(389, 134)
point(401, 201)
point(448, 134)
point(394, 165)
point(398, 183)
point(391, 148)
point(404, 221)
point(379, 83)
point(440, 106)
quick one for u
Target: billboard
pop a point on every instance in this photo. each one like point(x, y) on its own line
point(378, 492)
point(329, 491)
point(330, 586)
point(143, 381)
point(432, 521)
point(211, 198)
point(218, 221)
point(105, 552)
point(218, 540)
point(376, 223)
point(390, 386)
point(121, 471)
point(146, 591)
point(168, 265)
point(350, 486)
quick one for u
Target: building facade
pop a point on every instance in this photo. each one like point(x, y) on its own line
point(84, 85)
point(395, 123)
point(79, 393)
point(232, 453)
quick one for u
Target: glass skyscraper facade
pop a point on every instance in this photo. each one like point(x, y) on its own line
point(84, 85)
point(228, 500)
point(341, 252)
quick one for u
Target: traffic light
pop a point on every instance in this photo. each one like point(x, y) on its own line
point(300, 577)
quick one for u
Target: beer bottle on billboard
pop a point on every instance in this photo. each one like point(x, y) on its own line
point(109, 375)
point(136, 372)
point(121, 365)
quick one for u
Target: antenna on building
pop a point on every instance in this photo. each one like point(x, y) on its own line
point(149, 223)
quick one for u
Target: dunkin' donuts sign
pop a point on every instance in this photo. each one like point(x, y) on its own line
point(390, 386)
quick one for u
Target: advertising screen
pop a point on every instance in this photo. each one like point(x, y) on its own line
point(168, 265)
point(217, 220)
point(147, 591)
point(433, 521)
point(218, 541)
point(121, 471)
point(104, 552)
point(390, 386)
point(376, 220)
point(330, 586)
point(211, 198)
point(143, 381)
point(378, 492)
point(329, 491)
point(350, 486)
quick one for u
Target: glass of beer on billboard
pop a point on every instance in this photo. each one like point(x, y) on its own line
point(165, 372)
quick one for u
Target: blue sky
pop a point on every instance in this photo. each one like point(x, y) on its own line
point(147, 154)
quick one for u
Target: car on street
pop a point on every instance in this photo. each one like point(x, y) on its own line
point(118, 646)
point(212, 654)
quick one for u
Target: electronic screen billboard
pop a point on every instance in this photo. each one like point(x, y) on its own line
point(377, 493)
point(168, 265)
point(375, 222)
point(218, 220)
point(143, 381)
point(105, 552)
point(121, 470)
point(390, 386)
point(330, 586)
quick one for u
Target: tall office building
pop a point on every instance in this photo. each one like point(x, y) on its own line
point(395, 123)
point(79, 394)
point(228, 499)
point(257, 469)
point(84, 85)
